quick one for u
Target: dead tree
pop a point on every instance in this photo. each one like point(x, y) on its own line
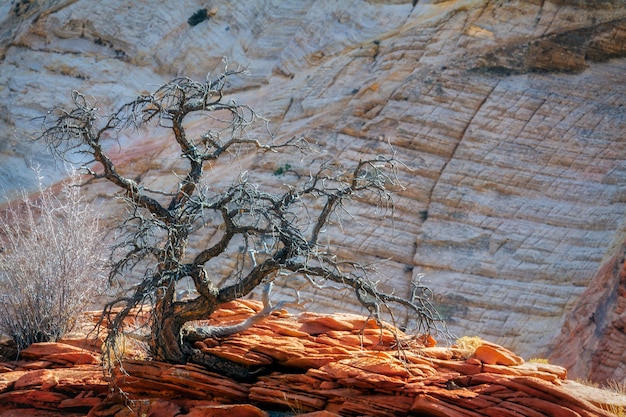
point(285, 224)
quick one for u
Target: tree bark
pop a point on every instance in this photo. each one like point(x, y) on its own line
point(170, 317)
point(165, 342)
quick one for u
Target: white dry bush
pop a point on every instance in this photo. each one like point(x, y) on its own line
point(50, 264)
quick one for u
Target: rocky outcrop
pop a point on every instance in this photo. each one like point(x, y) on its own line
point(508, 115)
point(592, 339)
point(309, 364)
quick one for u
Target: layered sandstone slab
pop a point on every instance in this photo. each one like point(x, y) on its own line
point(309, 363)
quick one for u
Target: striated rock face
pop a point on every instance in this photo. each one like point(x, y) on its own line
point(508, 115)
point(309, 364)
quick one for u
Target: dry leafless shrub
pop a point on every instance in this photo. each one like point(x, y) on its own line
point(50, 268)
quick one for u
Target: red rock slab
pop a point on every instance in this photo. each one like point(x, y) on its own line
point(314, 329)
point(162, 379)
point(47, 400)
point(44, 379)
point(302, 382)
point(521, 371)
point(371, 405)
point(386, 332)
point(136, 388)
point(530, 387)
point(59, 353)
point(325, 339)
point(286, 399)
point(153, 407)
point(478, 402)
point(418, 386)
point(312, 361)
point(546, 407)
point(359, 339)
point(281, 349)
point(33, 412)
point(227, 314)
point(348, 375)
point(419, 372)
point(77, 379)
point(232, 410)
point(462, 367)
point(427, 340)
point(322, 413)
point(92, 345)
point(437, 353)
point(243, 305)
point(513, 410)
point(25, 365)
point(109, 407)
point(466, 399)
point(428, 405)
point(261, 350)
point(74, 358)
point(381, 363)
point(81, 378)
point(493, 354)
point(291, 351)
point(313, 323)
point(352, 371)
point(86, 399)
point(417, 358)
point(541, 368)
point(312, 345)
point(239, 354)
point(7, 379)
point(7, 366)
point(451, 393)
point(502, 411)
point(291, 329)
point(295, 392)
point(562, 397)
point(537, 388)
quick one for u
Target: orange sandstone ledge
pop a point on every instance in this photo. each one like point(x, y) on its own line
point(309, 364)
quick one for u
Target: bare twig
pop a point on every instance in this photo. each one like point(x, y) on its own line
point(261, 232)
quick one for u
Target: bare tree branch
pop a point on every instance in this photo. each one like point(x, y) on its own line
point(263, 232)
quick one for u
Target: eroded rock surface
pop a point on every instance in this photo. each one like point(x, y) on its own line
point(307, 364)
point(508, 115)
